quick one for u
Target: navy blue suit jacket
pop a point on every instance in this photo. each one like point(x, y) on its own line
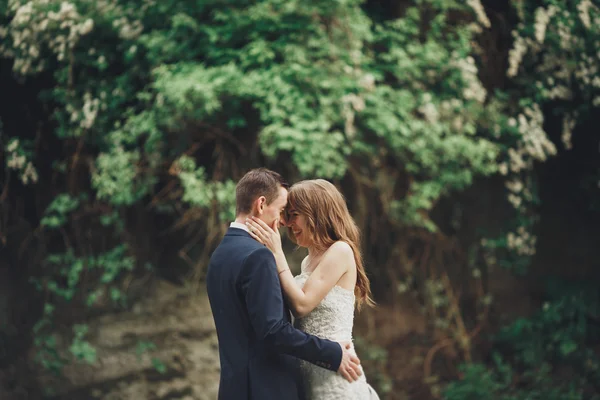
point(257, 342)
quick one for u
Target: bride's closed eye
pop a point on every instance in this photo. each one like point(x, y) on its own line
point(286, 214)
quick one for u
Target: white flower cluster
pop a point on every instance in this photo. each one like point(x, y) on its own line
point(558, 92)
point(428, 109)
point(534, 144)
point(449, 112)
point(85, 117)
point(128, 30)
point(568, 41)
point(474, 90)
point(542, 19)
point(515, 55)
point(515, 186)
point(17, 161)
point(367, 82)
point(35, 24)
point(555, 70)
point(352, 103)
point(522, 242)
point(90, 111)
point(587, 71)
point(557, 81)
point(568, 124)
point(452, 110)
point(584, 12)
point(479, 12)
point(522, 44)
point(535, 140)
point(518, 192)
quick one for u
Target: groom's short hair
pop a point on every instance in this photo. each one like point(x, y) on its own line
point(257, 182)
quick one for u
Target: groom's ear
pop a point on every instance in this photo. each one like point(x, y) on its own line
point(260, 205)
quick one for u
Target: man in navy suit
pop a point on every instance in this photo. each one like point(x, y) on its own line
point(258, 346)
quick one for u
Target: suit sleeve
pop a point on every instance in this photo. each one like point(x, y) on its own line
point(262, 290)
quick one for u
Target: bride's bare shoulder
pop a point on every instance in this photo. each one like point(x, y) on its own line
point(341, 248)
point(341, 252)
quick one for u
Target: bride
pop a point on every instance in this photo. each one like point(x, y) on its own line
point(332, 281)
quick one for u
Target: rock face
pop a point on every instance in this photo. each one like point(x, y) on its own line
point(183, 365)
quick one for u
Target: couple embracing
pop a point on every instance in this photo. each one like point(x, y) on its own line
point(252, 291)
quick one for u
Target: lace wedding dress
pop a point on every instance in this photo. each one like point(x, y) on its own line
point(332, 319)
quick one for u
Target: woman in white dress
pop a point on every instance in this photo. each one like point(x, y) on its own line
point(332, 282)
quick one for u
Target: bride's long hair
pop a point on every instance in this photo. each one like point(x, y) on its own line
point(329, 221)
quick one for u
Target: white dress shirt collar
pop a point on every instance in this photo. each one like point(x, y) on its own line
point(239, 226)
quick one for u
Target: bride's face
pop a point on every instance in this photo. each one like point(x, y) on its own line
point(297, 223)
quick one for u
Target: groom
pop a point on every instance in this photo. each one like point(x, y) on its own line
point(258, 346)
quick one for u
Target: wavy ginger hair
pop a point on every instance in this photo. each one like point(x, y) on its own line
point(329, 221)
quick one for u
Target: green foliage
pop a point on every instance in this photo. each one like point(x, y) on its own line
point(555, 56)
point(499, 384)
point(144, 347)
point(554, 341)
point(114, 179)
point(57, 212)
point(325, 91)
point(158, 365)
point(47, 352)
point(81, 349)
point(64, 285)
point(18, 154)
point(553, 63)
point(560, 331)
point(199, 192)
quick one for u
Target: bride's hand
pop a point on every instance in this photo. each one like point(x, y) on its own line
point(265, 234)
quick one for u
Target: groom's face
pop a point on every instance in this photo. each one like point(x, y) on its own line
point(270, 212)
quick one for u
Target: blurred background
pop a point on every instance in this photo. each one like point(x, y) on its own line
point(464, 135)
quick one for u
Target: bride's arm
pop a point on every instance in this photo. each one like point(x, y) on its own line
point(332, 267)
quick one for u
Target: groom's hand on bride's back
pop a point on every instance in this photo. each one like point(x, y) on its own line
point(350, 365)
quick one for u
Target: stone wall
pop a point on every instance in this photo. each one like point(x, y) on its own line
point(178, 323)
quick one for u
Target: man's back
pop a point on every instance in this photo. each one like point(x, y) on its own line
point(252, 365)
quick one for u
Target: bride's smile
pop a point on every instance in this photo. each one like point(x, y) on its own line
point(296, 223)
